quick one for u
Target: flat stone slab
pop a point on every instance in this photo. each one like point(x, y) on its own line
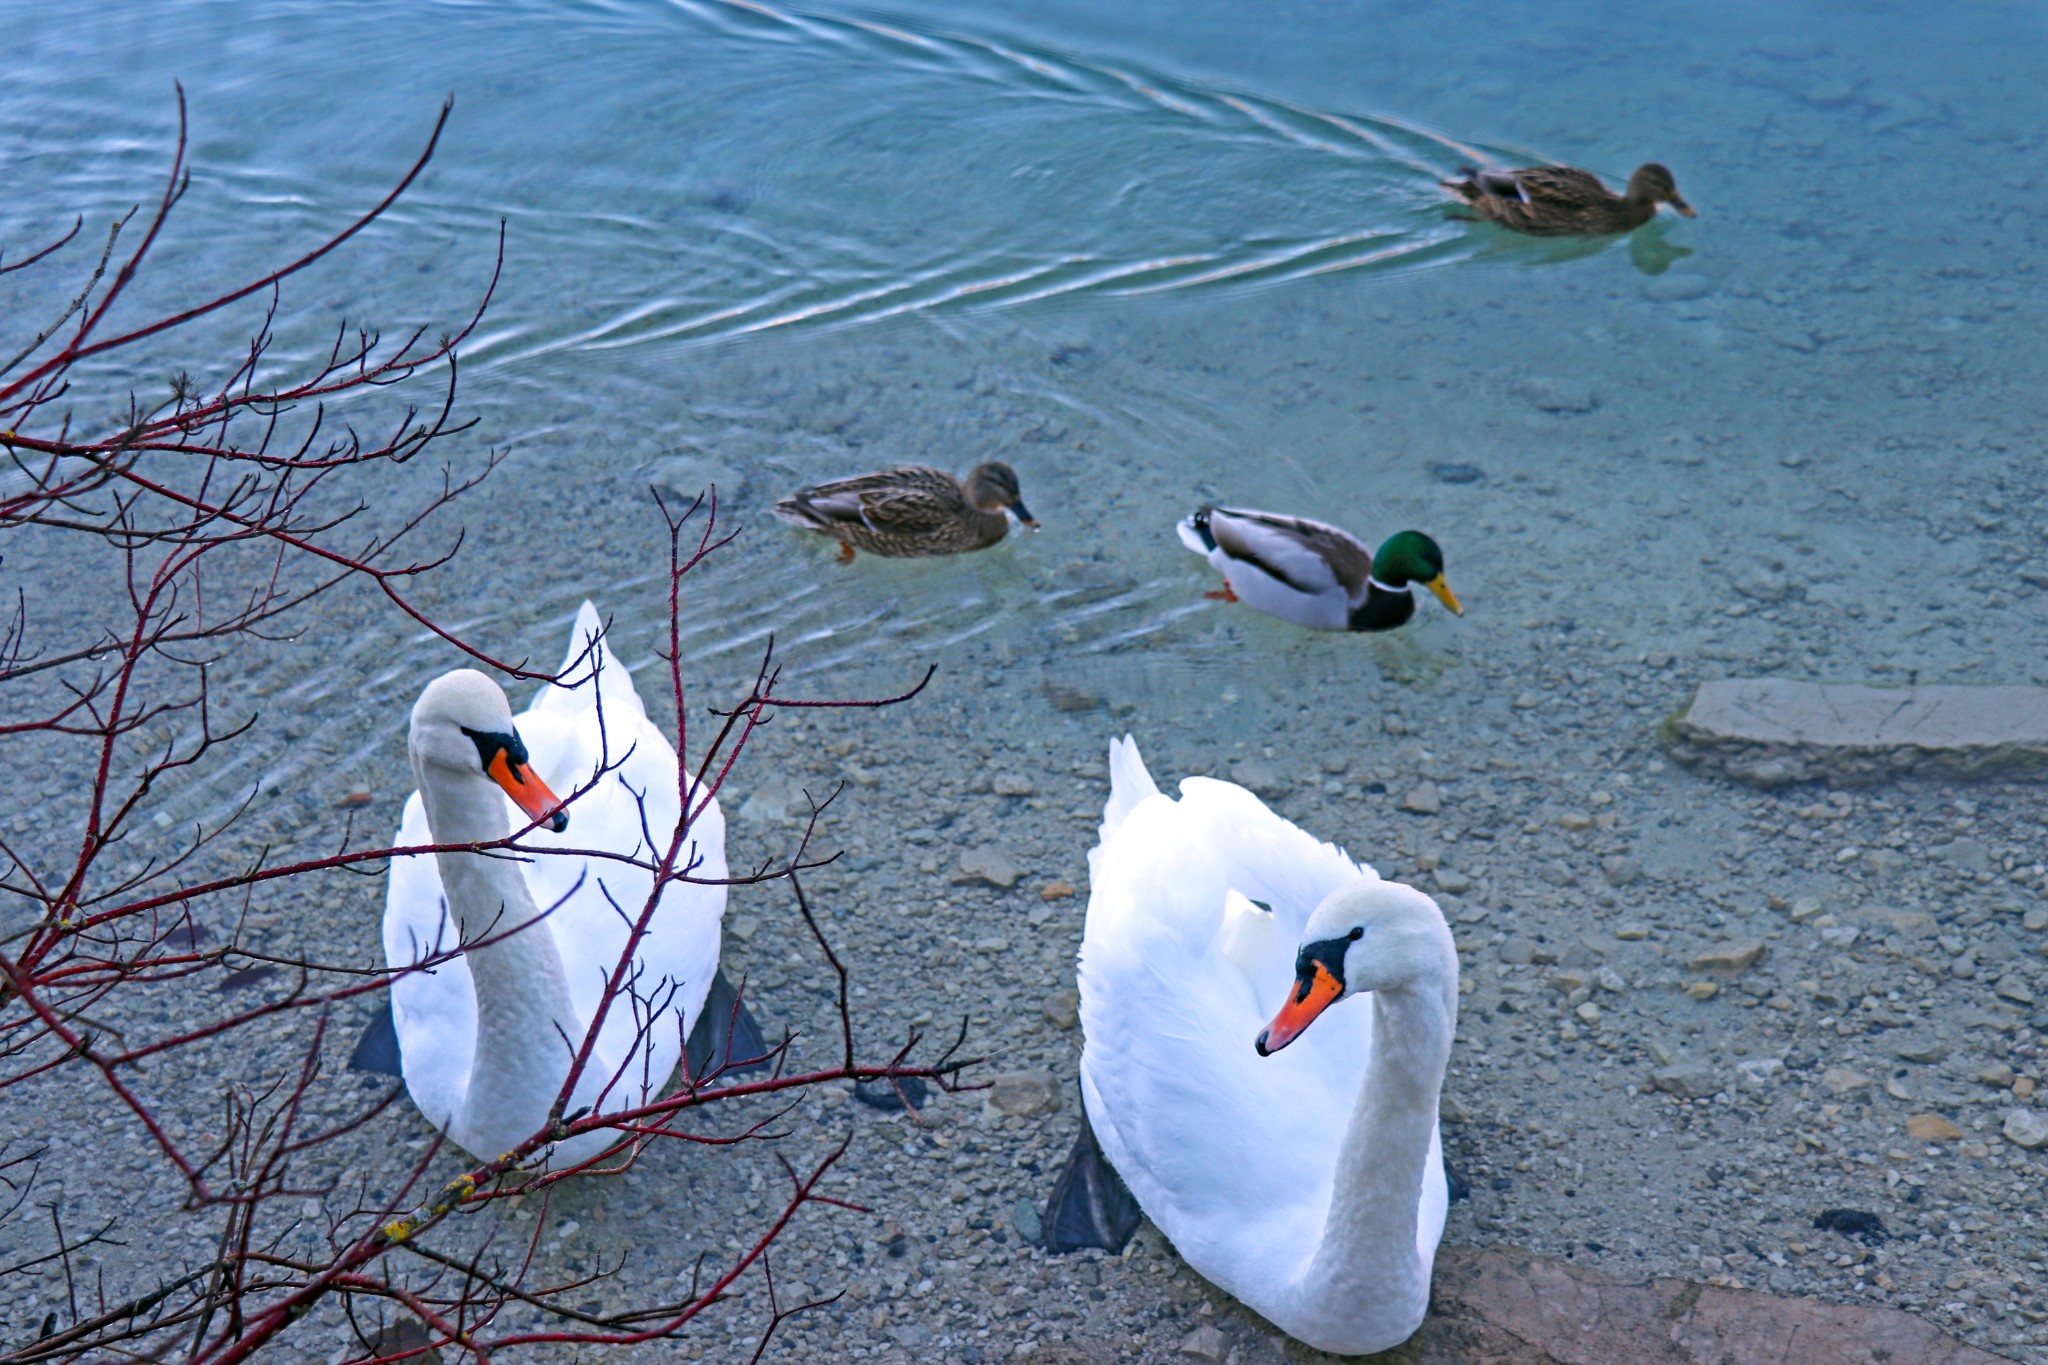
point(1506, 1307)
point(1771, 731)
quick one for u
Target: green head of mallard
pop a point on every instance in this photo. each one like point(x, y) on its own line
point(1652, 184)
point(1412, 557)
point(993, 487)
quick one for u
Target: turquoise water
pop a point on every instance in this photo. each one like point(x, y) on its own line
point(1151, 255)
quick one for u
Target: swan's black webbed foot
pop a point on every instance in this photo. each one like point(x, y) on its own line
point(377, 1050)
point(1456, 1187)
point(725, 1034)
point(1090, 1205)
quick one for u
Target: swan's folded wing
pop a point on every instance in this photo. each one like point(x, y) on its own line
point(1232, 1154)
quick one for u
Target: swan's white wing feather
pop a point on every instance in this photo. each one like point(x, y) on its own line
point(1174, 1087)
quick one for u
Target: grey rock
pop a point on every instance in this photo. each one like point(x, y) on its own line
point(1760, 1072)
point(1688, 1080)
point(1558, 395)
point(1021, 1094)
point(1261, 775)
point(1012, 784)
point(1025, 1218)
point(2026, 1127)
point(1205, 1344)
point(1520, 952)
point(987, 865)
point(1452, 882)
point(2013, 988)
point(1677, 286)
point(1771, 731)
point(1922, 1050)
point(688, 474)
point(774, 801)
point(1423, 799)
point(1620, 870)
point(1062, 1009)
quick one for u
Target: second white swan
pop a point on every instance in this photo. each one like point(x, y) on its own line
point(1308, 1182)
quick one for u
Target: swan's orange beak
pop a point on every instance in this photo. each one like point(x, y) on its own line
point(1313, 993)
point(528, 792)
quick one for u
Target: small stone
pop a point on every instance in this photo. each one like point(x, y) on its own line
point(1021, 1094)
point(2026, 1127)
point(1012, 784)
point(1840, 1080)
point(1589, 1013)
point(1520, 952)
point(1025, 1218)
point(1423, 799)
point(1205, 1344)
point(1703, 990)
point(2035, 920)
point(1805, 908)
point(1620, 870)
point(1729, 959)
point(1922, 1050)
point(2014, 989)
point(1931, 1128)
point(1760, 584)
point(1558, 395)
point(2023, 1087)
point(1575, 822)
point(1055, 891)
point(1998, 1074)
point(1449, 1109)
point(1632, 933)
point(1677, 286)
point(743, 927)
point(1062, 1009)
point(1687, 1080)
point(986, 865)
point(1261, 775)
point(1758, 1072)
point(1452, 882)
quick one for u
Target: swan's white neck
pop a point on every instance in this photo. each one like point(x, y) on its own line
point(526, 1028)
point(1368, 1279)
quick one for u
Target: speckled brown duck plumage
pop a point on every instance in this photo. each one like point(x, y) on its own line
point(912, 512)
point(1562, 201)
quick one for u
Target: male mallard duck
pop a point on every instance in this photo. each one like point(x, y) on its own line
point(1561, 201)
point(911, 513)
point(1313, 574)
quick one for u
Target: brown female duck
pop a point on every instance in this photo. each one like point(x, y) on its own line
point(1561, 201)
point(911, 512)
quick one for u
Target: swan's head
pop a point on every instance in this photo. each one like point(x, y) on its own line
point(462, 724)
point(1368, 936)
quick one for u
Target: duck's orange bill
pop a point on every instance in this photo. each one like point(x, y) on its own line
point(1444, 594)
point(1310, 997)
point(524, 786)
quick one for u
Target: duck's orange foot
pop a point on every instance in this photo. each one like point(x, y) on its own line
point(1222, 594)
point(845, 552)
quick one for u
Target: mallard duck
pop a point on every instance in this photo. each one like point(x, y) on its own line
point(1314, 574)
point(911, 513)
point(1562, 201)
point(1261, 1079)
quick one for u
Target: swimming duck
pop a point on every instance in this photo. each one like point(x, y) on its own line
point(1562, 201)
point(1308, 1182)
point(484, 1039)
point(1314, 574)
point(911, 513)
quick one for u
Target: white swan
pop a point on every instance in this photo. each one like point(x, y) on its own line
point(485, 1039)
point(1308, 1183)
